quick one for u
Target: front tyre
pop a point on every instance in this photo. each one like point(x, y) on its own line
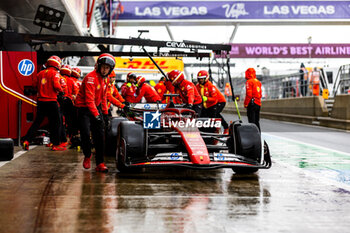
point(131, 146)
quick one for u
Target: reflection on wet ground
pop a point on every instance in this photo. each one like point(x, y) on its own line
point(44, 191)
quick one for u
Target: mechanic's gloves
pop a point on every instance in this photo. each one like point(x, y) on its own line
point(126, 108)
point(204, 98)
point(60, 96)
point(106, 120)
point(99, 119)
point(128, 84)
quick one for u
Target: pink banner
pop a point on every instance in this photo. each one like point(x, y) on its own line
point(289, 51)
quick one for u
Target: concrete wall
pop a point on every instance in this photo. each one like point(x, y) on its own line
point(309, 106)
point(306, 106)
point(306, 110)
point(341, 107)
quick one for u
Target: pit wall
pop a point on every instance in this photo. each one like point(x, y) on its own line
point(305, 110)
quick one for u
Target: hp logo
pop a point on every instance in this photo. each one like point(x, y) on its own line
point(26, 67)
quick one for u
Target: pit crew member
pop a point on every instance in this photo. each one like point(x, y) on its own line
point(128, 89)
point(92, 110)
point(219, 107)
point(113, 96)
point(187, 90)
point(48, 86)
point(253, 97)
point(145, 90)
point(160, 87)
point(209, 95)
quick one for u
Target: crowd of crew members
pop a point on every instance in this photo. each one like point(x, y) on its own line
point(77, 108)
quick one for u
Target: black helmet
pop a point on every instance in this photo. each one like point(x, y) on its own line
point(107, 59)
point(130, 75)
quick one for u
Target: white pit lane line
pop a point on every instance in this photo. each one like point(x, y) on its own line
point(319, 177)
point(15, 156)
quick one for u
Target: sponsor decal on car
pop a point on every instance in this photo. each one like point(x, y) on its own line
point(190, 123)
point(151, 120)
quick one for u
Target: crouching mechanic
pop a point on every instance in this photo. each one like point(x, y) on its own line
point(92, 110)
point(187, 90)
point(145, 90)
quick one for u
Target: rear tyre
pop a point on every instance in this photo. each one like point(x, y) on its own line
point(131, 146)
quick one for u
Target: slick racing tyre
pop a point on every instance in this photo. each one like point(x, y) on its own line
point(131, 146)
point(111, 136)
point(245, 140)
point(6, 149)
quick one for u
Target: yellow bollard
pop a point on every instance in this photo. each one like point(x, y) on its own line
point(325, 94)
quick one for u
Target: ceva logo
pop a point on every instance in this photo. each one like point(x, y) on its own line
point(174, 44)
point(151, 120)
point(26, 67)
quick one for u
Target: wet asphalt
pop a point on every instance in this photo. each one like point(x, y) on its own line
point(44, 191)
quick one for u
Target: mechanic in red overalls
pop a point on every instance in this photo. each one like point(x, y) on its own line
point(48, 85)
point(253, 97)
point(145, 90)
point(128, 89)
point(113, 96)
point(203, 76)
point(208, 92)
point(70, 90)
point(219, 107)
point(187, 90)
point(75, 138)
point(65, 72)
point(160, 87)
point(76, 74)
point(92, 110)
point(170, 89)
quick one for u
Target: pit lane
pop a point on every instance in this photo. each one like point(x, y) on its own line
point(306, 190)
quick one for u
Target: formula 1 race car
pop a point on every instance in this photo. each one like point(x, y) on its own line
point(157, 135)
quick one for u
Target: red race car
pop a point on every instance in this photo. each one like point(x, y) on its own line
point(159, 135)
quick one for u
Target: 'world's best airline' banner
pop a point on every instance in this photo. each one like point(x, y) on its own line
point(232, 10)
point(289, 51)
